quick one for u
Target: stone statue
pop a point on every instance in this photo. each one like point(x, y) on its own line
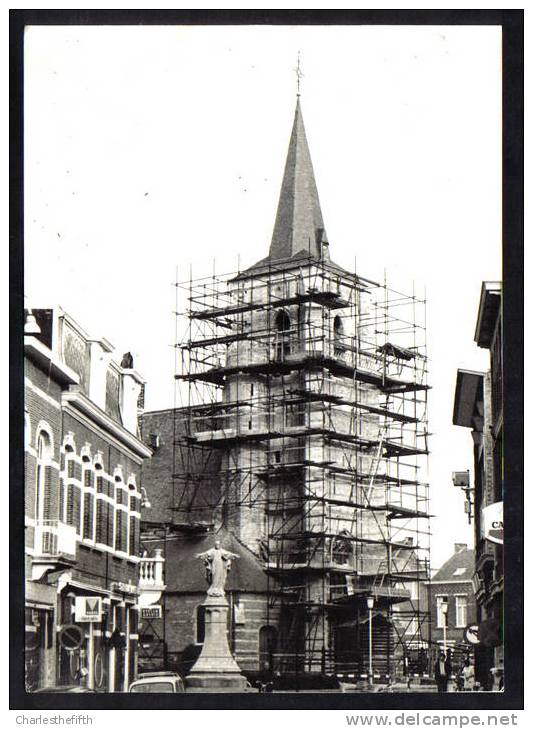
point(217, 565)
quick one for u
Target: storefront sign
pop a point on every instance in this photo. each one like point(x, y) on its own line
point(149, 613)
point(471, 634)
point(88, 609)
point(492, 522)
point(71, 637)
point(126, 587)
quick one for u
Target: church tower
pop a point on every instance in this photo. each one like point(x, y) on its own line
point(318, 418)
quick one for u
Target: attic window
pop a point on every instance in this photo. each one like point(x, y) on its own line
point(459, 571)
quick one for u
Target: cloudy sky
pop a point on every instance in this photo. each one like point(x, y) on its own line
point(151, 149)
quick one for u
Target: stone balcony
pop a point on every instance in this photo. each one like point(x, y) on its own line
point(151, 580)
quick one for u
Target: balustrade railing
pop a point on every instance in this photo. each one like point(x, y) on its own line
point(151, 571)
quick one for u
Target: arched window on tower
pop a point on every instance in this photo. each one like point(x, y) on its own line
point(282, 326)
point(339, 346)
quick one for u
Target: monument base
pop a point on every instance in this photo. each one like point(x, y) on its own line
point(216, 669)
point(215, 682)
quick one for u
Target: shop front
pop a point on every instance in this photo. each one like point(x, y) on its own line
point(39, 630)
point(95, 640)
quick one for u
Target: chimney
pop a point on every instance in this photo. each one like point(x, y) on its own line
point(460, 547)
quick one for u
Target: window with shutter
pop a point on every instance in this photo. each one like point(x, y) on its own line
point(47, 496)
point(42, 477)
point(134, 536)
point(62, 489)
point(118, 545)
point(77, 509)
point(88, 516)
point(110, 513)
point(124, 532)
point(100, 521)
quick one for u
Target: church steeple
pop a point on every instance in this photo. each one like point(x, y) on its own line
point(299, 227)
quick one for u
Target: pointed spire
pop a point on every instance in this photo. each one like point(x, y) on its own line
point(299, 227)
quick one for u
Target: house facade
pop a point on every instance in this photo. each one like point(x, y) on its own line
point(478, 406)
point(83, 501)
point(451, 601)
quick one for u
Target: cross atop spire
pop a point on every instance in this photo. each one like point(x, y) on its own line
point(299, 74)
point(299, 227)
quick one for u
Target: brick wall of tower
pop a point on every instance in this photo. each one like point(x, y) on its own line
point(171, 496)
point(312, 329)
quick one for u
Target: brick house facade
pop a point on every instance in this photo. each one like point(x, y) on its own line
point(452, 584)
point(83, 500)
point(478, 405)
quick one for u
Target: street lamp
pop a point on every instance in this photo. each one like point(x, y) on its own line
point(370, 605)
point(461, 480)
point(444, 609)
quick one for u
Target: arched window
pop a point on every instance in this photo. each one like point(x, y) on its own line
point(268, 636)
point(42, 477)
point(282, 326)
point(338, 337)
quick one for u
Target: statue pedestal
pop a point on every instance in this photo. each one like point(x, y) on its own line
point(216, 669)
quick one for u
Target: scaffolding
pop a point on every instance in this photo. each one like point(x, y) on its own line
point(309, 385)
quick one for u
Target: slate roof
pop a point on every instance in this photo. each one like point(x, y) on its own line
point(299, 231)
point(463, 559)
point(299, 224)
point(185, 573)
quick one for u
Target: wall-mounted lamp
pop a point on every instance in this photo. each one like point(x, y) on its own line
point(145, 503)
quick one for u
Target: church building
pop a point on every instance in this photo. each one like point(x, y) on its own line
point(302, 450)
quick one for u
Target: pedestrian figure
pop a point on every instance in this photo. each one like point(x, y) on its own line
point(468, 676)
point(449, 665)
point(441, 677)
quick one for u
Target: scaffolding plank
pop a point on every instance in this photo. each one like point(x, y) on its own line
point(307, 360)
point(330, 299)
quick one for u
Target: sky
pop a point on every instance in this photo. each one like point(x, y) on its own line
point(151, 151)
